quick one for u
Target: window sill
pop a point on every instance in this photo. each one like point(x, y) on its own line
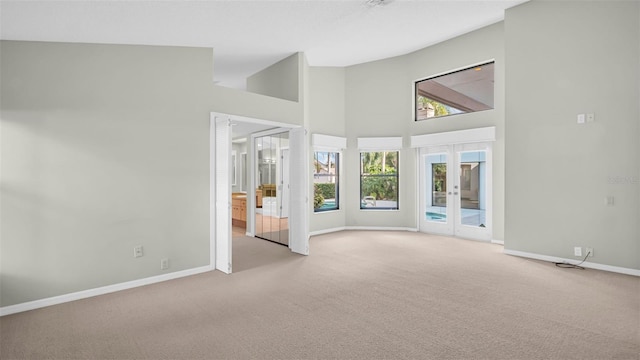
point(326, 211)
point(374, 209)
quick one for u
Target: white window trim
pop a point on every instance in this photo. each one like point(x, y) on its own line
point(376, 144)
point(335, 144)
point(413, 84)
point(340, 181)
point(398, 174)
point(486, 134)
point(321, 142)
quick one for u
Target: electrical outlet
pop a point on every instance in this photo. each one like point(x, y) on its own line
point(589, 251)
point(577, 251)
point(164, 264)
point(137, 251)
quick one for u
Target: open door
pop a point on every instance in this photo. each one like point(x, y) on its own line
point(223, 194)
point(299, 194)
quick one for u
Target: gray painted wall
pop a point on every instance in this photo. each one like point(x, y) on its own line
point(379, 103)
point(327, 116)
point(242, 103)
point(103, 148)
point(279, 80)
point(564, 59)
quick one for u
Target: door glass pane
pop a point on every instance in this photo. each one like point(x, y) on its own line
point(436, 176)
point(243, 172)
point(473, 188)
point(270, 206)
point(259, 176)
point(271, 179)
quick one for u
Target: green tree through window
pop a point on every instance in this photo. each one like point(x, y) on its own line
point(379, 180)
point(325, 181)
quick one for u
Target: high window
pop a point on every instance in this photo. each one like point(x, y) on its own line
point(379, 180)
point(326, 174)
point(458, 92)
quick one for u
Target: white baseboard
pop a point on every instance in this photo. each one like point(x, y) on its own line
point(372, 228)
point(326, 231)
point(590, 265)
point(36, 304)
point(376, 228)
point(380, 228)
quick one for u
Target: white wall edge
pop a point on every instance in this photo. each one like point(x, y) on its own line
point(499, 242)
point(36, 304)
point(326, 231)
point(590, 265)
point(381, 228)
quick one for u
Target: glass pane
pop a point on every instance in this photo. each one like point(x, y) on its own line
point(271, 201)
point(243, 168)
point(325, 179)
point(259, 226)
point(379, 191)
point(473, 188)
point(379, 180)
point(458, 92)
point(436, 175)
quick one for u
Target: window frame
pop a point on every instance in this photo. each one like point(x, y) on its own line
point(337, 176)
point(396, 175)
point(449, 72)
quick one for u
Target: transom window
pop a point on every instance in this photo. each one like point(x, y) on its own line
point(458, 92)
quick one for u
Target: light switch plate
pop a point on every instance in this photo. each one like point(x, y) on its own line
point(581, 118)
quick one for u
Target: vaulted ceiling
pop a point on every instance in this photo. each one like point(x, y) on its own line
point(248, 36)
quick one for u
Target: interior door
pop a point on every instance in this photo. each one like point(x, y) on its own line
point(455, 182)
point(299, 195)
point(270, 222)
point(223, 194)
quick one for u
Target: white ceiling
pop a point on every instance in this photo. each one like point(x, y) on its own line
point(248, 36)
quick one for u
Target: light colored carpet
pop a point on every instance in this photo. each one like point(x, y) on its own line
point(359, 295)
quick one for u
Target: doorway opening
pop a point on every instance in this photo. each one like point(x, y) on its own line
point(234, 189)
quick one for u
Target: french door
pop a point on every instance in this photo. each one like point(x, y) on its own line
point(455, 190)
